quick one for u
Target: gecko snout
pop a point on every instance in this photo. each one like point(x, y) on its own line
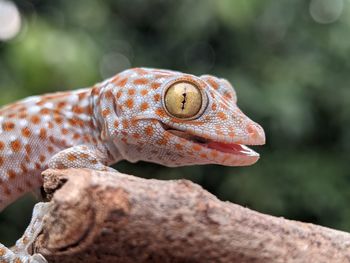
point(256, 134)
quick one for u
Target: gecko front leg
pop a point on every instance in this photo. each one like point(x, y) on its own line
point(81, 156)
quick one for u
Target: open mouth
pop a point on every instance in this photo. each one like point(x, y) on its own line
point(228, 148)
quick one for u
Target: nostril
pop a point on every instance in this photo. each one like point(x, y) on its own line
point(256, 133)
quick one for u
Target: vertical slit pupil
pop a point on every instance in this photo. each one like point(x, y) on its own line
point(184, 101)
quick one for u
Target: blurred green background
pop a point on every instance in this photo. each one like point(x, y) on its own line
point(288, 60)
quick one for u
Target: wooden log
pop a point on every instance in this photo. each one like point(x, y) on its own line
point(113, 217)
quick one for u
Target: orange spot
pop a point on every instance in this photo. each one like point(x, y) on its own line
point(37, 166)
point(134, 121)
point(196, 147)
point(121, 82)
point(213, 83)
point(178, 146)
point(224, 106)
point(86, 138)
point(43, 133)
point(140, 71)
point(116, 124)
point(149, 130)
point(160, 112)
point(214, 154)
point(144, 106)
point(156, 97)
point(82, 95)
point(88, 110)
point(26, 132)
point(8, 126)
point(129, 103)
point(141, 81)
point(64, 131)
point(162, 141)
point(252, 131)
point(71, 157)
point(76, 136)
point(115, 79)
point(35, 119)
point(203, 155)
point(15, 145)
point(131, 92)
point(23, 115)
point(231, 134)
point(144, 92)
point(61, 104)
point(222, 115)
point(125, 124)
point(119, 94)
point(106, 112)
point(155, 85)
point(227, 95)
point(42, 158)
point(1, 161)
point(77, 109)
point(50, 149)
point(21, 109)
point(136, 135)
point(11, 174)
point(45, 111)
point(73, 122)
point(213, 107)
point(95, 91)
point(84, 156)
point(79, 122)
point(2, 145)
point(40, 103)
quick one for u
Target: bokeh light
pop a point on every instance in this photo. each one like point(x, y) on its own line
point(325, 11)
point(10, 20)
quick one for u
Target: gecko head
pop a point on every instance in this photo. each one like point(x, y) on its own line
point(177, 119)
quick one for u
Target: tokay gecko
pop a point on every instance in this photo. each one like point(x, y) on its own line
point(160, 116)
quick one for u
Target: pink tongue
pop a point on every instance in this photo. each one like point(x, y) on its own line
point(228, 148)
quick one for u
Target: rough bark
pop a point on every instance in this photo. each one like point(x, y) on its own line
point(113, 217)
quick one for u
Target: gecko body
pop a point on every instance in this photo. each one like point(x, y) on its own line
point(154, 115)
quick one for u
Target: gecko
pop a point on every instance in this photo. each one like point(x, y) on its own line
point(141, 114)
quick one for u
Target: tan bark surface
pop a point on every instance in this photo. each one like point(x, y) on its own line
point(113, 217)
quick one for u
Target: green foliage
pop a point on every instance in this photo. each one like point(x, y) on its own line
point(289, 67)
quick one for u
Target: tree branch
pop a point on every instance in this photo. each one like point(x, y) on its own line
point(113, 217)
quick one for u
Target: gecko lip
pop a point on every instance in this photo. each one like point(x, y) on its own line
point(229, 148)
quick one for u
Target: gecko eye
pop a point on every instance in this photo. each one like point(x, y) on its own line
point(183, 100)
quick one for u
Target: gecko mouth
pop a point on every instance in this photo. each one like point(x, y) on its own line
point(228, 148)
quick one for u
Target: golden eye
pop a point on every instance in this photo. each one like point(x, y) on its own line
point(183, 100)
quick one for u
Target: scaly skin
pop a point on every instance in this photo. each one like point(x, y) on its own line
point(123, 117)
